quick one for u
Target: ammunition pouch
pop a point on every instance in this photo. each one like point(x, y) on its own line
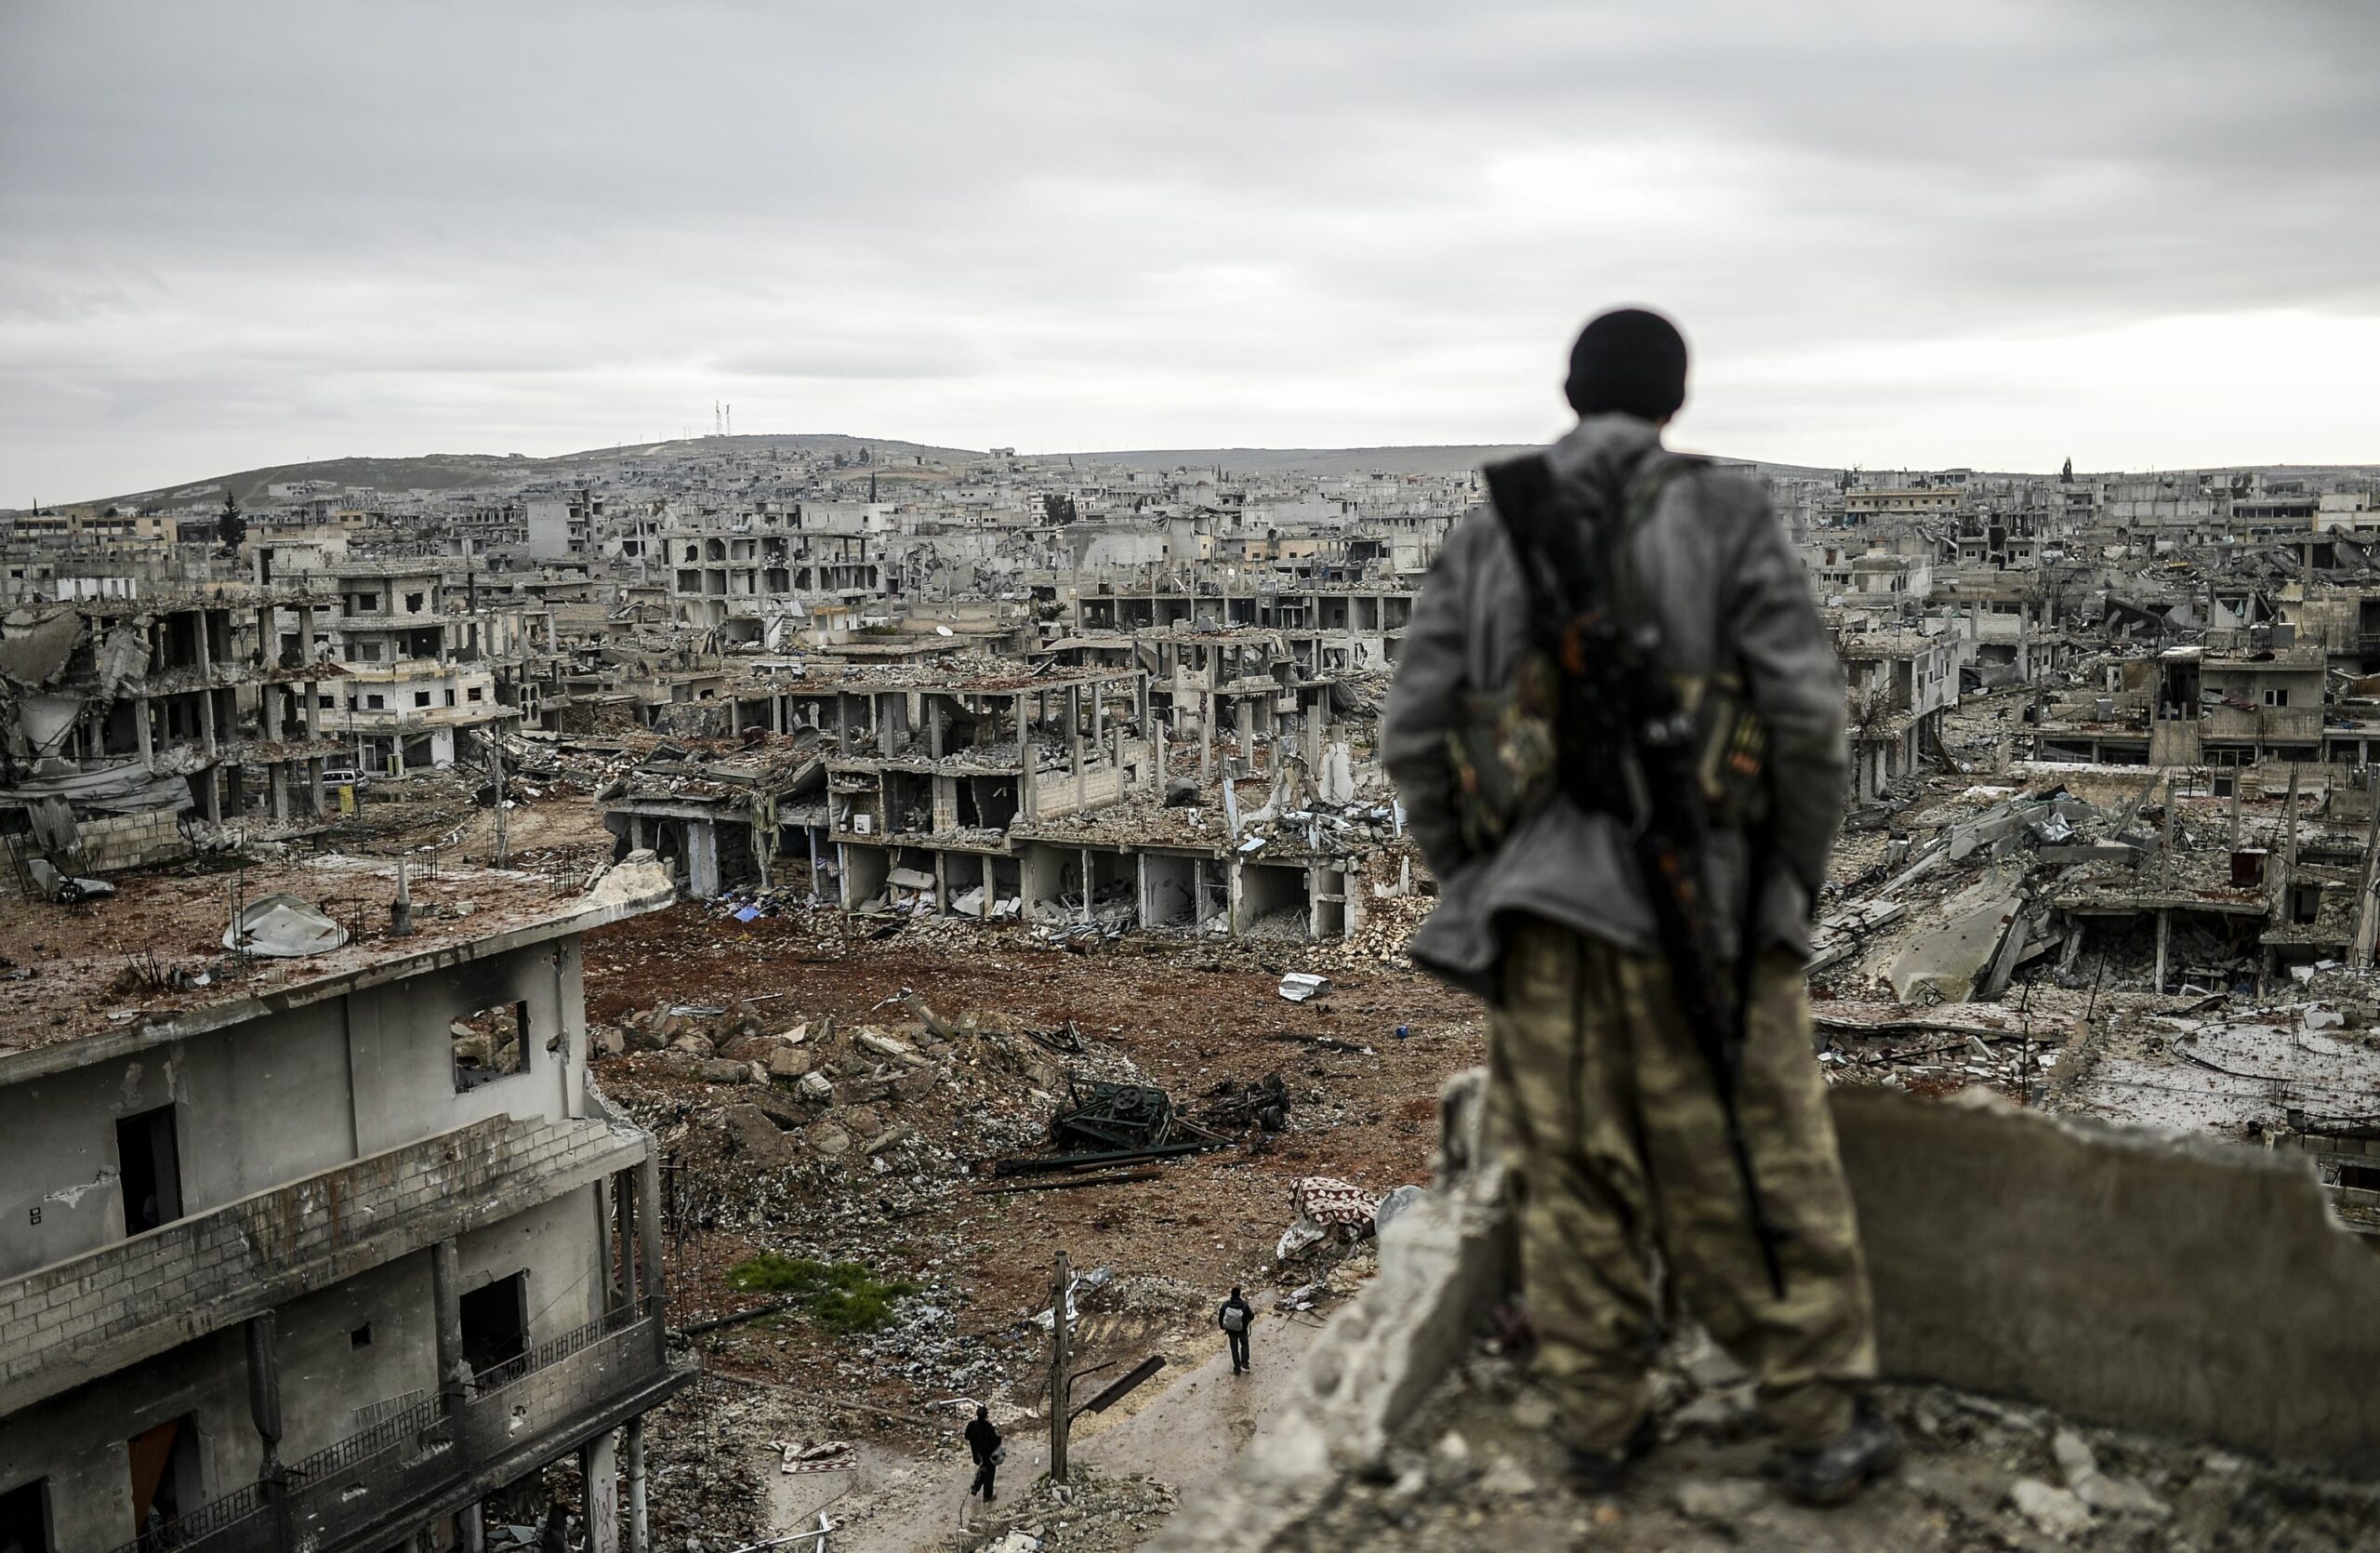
point(1509, 758)
point(1504, 752)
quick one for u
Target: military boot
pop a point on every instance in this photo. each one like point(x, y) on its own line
point(1836, 1471)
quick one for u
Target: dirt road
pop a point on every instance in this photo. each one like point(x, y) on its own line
point(1185, 1434)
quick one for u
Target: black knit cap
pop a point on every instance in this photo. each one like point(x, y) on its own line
point(1628, 360)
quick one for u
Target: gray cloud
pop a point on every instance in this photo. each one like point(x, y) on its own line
point(1897, 234)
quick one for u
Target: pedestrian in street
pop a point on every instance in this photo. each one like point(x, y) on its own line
point(1618, 729)
point(1236, 1316)
point(984, 1445)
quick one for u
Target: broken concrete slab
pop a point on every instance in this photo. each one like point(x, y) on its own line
point(2077, 1277)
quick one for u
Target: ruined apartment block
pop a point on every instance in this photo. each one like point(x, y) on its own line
point(322, 1254)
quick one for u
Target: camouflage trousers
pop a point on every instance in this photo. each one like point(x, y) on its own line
point(1620, 1155)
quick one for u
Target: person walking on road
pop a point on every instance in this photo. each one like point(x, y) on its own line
point(1618, 730)
point(984, 1445)
point(1236, 1316)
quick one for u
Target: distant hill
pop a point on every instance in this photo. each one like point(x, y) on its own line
point(454, 472)
point(1448, 458)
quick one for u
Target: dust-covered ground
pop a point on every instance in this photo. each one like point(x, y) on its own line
point(805, 1108)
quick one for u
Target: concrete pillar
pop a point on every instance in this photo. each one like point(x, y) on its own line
point(264, 1411)
point(624, 1225)
point(140, 728)
point(991, 883)
point(640, 1528)
point(1206, 734)
point(1074, 741)
point(599, 1472)
point(647, 1227)
point(1025, 807)
point(210, 791)
point(277, 790)
point(446, 1295)
point(1086, 883)
point(206, 721)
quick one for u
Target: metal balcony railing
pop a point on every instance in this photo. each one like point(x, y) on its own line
point(423, 1445)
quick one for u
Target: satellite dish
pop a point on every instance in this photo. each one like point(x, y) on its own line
point(943, 630)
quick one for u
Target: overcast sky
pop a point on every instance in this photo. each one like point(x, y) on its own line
point(1910, 234)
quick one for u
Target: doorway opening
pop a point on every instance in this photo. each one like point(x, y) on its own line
point(149, 1169)
point(165, 1472)
point(496, 1322)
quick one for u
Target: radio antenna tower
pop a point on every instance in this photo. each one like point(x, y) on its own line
point(731, 420)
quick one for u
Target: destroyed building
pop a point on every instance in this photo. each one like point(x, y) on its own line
point(320, 1235)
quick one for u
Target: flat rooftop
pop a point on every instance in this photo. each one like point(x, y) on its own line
point(130, 964)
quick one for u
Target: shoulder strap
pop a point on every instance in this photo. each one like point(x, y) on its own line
point(1638, 498)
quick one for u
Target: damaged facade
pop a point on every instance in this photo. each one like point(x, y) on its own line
point(322, 1250)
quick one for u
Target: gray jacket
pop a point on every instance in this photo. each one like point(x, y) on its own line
point(1719, 574)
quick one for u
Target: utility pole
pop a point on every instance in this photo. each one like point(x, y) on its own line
point(1060, 1382)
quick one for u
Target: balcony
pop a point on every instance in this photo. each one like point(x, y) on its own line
point(2290, 724)
point(75, 1320)
point(372, 1488)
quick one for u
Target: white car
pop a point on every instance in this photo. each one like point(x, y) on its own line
point(343, 777)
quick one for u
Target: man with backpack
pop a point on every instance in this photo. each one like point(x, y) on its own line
point(1236, 1316)
point(1617, 731)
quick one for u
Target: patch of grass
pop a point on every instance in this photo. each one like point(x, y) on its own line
point(840, 1297)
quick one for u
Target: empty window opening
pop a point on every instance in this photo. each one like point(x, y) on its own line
point(148, 1169)
point(361, 1337)
point(165, 1472)
point(24, 1518)
point(490, 1044)
point(2306, 903)
point(496, 1322)
point(422, 698)
point(2360, 1177)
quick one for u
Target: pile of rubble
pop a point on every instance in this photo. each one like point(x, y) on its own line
point(1477, 1466)
point(1090, 1513)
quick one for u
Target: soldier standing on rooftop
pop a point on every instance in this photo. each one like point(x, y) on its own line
point(1633, 1136)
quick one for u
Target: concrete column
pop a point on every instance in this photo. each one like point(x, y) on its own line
point(1075, 699)
point(599, 1471)
point(648, 1225)
point(210, 791)
point(640, 1528)
point(991, 883)
point(446, 1294)
point(1086, 883)
point(206, 721)
point(1025, 807)
point(625, 1225)
point(277, 790)
point(140, 728)
point(1205, 733)
point(264, 1411)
